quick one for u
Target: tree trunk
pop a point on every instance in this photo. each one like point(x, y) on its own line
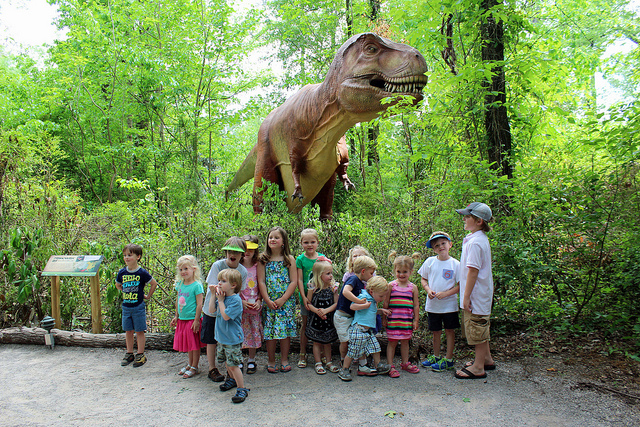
point(498, 138)
point(349, 16)
point(24, 335)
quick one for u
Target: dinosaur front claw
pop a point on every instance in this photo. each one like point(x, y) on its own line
point(348, 185)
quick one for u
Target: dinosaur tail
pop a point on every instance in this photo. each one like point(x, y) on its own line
point(245, 172)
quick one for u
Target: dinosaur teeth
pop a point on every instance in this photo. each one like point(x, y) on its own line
point(414, 86)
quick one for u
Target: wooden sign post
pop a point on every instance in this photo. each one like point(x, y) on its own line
point(78, 266)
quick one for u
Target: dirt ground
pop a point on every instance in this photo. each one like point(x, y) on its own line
point(80, 386)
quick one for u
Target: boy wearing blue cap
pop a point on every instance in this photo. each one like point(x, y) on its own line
point(476, 288)
point(440, 280)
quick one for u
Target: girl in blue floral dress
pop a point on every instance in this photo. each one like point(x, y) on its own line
point(277, 279)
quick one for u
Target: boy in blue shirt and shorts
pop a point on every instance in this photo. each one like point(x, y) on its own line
point(131, 280)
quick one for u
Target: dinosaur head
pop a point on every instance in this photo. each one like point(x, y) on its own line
point(368, 68)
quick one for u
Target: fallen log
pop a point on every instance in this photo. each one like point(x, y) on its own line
point(154, 341)
point(24, 335)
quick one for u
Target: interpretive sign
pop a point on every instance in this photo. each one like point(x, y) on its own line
point(78, 266)
point(72, 265)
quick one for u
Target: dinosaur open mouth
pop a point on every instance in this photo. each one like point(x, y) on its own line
point(410, 85)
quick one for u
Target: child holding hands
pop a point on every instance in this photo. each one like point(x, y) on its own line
point(323, 299)
point(476, 288)
point(362, 342)
point(403, 301)
point(188, 312)
point(229, 330)
point(277, 280)
point(439, 277)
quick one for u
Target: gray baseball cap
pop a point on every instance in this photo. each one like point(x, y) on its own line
point(477, 209)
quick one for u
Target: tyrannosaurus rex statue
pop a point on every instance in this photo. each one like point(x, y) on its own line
point(301, 145)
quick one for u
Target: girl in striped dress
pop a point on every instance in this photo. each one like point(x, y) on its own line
point(402, 299)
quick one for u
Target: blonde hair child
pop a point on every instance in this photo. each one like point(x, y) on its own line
point(189, 300)
point(323, 300)
point(402, 299)
point(354, 253)
point(277, 279)
point(362, 342)
point(229, 329)
point(364, 268)
point(304, 263)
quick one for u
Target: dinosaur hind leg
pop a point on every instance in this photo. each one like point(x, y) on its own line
point(324, 199)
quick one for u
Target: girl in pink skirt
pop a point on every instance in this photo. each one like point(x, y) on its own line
point(188, 312)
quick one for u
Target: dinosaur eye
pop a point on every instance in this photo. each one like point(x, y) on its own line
point(371, 48)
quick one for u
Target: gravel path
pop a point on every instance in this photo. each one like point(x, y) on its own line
point(81, 386)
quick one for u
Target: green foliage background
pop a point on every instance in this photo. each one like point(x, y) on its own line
point(138, 120)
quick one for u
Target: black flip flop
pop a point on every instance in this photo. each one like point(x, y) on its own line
point(486, 367)
point(470, 375)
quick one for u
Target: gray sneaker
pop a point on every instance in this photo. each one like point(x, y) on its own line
point(383, 368)
point(367, 371)
point(345, 375)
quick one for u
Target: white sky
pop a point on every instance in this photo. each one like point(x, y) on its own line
point(28, 23)
point(27, 26)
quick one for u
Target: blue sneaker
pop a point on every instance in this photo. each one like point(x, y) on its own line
point(442, 365)
point(431, 360)
point(228, 384)
point(241, 395)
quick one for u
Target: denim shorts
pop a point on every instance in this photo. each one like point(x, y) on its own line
point(134, 318)
point(303, 310)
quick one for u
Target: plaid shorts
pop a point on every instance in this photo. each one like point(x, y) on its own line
point(362, 341)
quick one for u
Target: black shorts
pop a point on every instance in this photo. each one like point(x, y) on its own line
point(208, 330)
point(436, 321)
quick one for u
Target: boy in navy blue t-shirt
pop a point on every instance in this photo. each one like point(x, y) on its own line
point(131, 280)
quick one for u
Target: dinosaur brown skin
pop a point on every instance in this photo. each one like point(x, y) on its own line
point(301, 143)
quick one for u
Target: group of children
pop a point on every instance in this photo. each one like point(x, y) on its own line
point(249, 299)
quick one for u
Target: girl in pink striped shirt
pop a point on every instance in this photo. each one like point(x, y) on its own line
point(402, 299)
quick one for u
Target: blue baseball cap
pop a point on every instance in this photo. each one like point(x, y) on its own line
point(437, 236)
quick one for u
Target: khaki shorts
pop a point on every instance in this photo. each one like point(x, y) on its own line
point(229, 354)
point(342, 322)
point(476, 328)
